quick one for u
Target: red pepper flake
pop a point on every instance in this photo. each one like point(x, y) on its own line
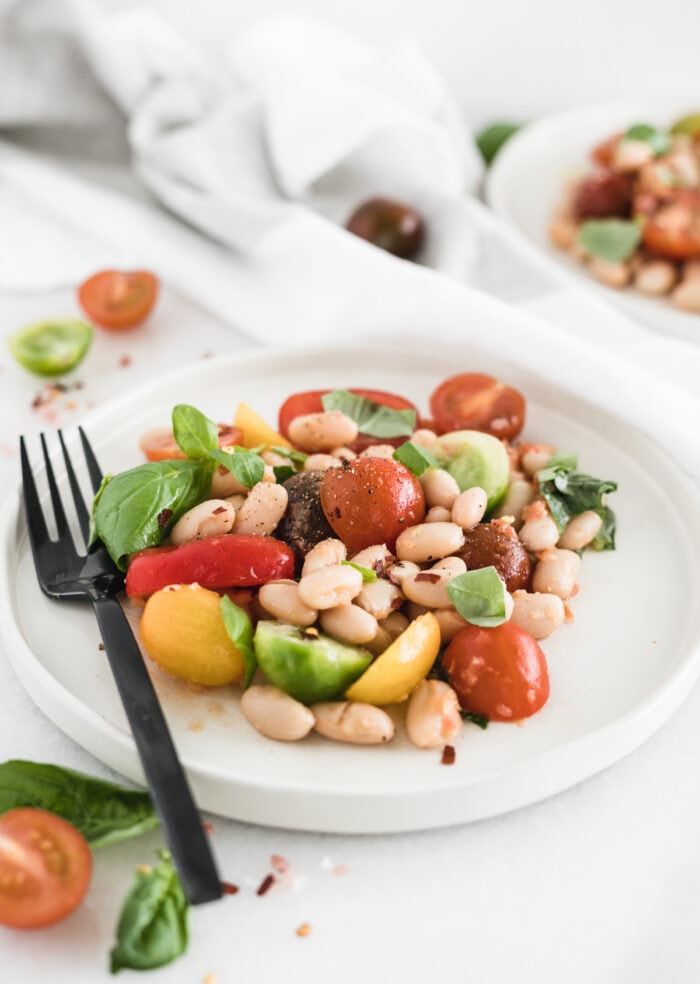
point(125, 362)
point(279, 863)
point(228, 888)
point(428, 576)
point(218, 510)
point(448, 755)
point(340, 870)
point(304, 929)
point(208, 827)
point(266, 884)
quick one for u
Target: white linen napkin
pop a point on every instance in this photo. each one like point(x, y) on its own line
point(254, 163)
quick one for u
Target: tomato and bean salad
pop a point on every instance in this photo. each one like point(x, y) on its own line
point(357, 555)
point(633, 217)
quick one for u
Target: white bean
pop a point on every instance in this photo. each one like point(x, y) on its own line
point(534, 457)
point(325, 553)
point(556, 572)
point(359, 724)
point(275, 714)
point(379, 451)
point(281, 599)
point(429, 541)
point(400, 570)
point(343, 454)
point(225, 483)
point(319, 462)
point(376, 558)
point(429, 588)
point(262, 510)
point(395, 623)
point(450, 622)
point(539, 534)
point(322, 431)
point(438, 514)
point(687, 294)
point(439, 487)
point(537, 612)
point(424, 437)
point(469, 507)
point(655, 277)
point(580, 530)
point(609, 273)
point(349, 623)
point(211, 518)
point(453, 564)
point(380, 598)
point(329, 587)
point(433, 715)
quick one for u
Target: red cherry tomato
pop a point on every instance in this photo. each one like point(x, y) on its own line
point(159, 445)
point(116, 300)
point(371, 500)
point(234, 560)
point(299, 404)
point(45, 868)
point(604, 152)
point(473, 401)
point(673, 230)
point(500, 672)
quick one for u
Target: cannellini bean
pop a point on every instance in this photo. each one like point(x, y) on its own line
point(438, 514)
point(610, 274)
point(631, 155)
point(275, 714)
point(376, 558)
point(534, 457)
point(538, 613)
point(562, 230)
point(359, 724)
point(211, 518)
point(236, 500)
point(380, 598)
point(520, 493)
point(331, 586)
point(655, 277)
point(326, 553)
point(378, 451)
point(691, 270)
point(439, 487)
point(343, 453)
point(225, 483)
point(262, 510)
point(453, 564)
point(281, 599)
point(349, 623)
point(450, 622)
point(429, 588)
point(539, 534)
point(556, 572)
point(395, 623)
point(382, 640)
point(322, 431)
point(687, 294)
point(433, 716)
point(429, 541)
point(401, 569)
point(580, 530)
point(424, 437)
point(319, 462)
point(274, 459)
point(469, 507)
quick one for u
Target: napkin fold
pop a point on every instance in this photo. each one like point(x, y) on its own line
point(243, 169)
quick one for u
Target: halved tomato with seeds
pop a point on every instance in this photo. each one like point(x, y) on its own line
point(475, 401)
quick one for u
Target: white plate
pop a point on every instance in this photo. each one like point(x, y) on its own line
point(617, 673)
point(529, 175)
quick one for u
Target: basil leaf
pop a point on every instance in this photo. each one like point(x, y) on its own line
point(247, 466)
point(102, 811)
point(194, 433)
point(137, 508)
point(368, 575)
point(371, 418)
point(415, 458)
point(658, 140)
point(480, 720)
point(283, 472)
point(479, 596)
point(152, 929)
point(296, 457)
point(614, 240)
point(492, 138)
point(569, 493)
point(240, 631)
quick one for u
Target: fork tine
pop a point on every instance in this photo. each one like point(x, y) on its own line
point(36, 523)
point(59, 512)
point(80, 507)
point(94, 470)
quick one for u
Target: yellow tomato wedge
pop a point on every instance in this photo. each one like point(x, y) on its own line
point(255, 430)
point(396, 672)
point(182, 630)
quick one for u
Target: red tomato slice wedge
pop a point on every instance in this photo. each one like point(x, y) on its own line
point(45, 868)
point(474, 401)
point(116, 300)
point(159, 445)
point(673, 230)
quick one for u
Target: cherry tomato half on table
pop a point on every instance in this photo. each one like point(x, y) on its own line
point(299, 404)
point(45, 868)
point(474, 401)
point(500, 672)
point(116, 300)
point(371, 500)
point(160, 444)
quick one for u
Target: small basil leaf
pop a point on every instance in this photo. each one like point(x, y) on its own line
point(283, 472)
point(479, 596)
point(296, 457)
point(371, 418)
point(368, 575)
point(194, 433)
point(137, 508)
point(152, 929)
point(569, 493)
point(480, 720)
point(493, 137)
point(658, 140)
point(560, 461)
point(240, 632)
point(103, 812)
point(415, 458)
point(614, 240)
point(247, 466)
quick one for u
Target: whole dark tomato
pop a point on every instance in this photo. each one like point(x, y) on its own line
point(309, 401)
point(393, 226)
point(500, 672)
point(474, 401)
point(371, 500)
point(604, 194)
point(673, 230)
point(496, 544)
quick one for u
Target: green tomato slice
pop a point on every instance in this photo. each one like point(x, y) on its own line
point(50, 348)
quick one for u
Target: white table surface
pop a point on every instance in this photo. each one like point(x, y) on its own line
point(600, 883)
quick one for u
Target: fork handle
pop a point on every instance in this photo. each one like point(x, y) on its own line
point(167, 783)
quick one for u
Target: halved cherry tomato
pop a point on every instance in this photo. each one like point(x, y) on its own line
point(673, 230)
point(115, 300)
point(45, 868)
point(604, 152)
point(499, 672)
point(159, 445)
point(474, 401)
point(371, 500)
point(234, 560)
point(299, 404)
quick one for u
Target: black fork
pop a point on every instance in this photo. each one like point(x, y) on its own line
point(64, 571)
